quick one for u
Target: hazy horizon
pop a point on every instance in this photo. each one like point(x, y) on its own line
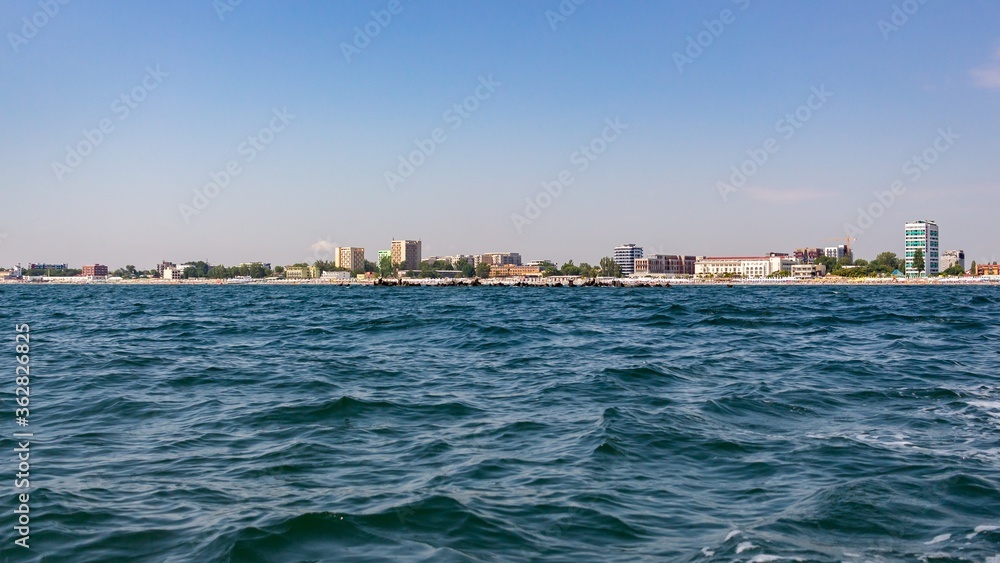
point(309, 109)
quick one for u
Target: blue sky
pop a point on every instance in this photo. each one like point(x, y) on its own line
point(198, 85)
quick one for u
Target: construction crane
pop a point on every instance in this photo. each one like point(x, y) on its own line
point(847, 242)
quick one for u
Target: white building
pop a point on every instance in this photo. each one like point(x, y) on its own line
point(835, 252)
point(950, 258)
point(498, 259)
point(625, 256)
point(922, 235)
point(743, 266)
point(172, 273)
point(808, 270)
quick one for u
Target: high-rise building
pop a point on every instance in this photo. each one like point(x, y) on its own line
point(350, 258)
point(625, 256)
point(406, 253)
point(951, 258)
point(923, 236)
point(384, 254)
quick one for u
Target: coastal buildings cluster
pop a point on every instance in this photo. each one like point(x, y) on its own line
point(922, 257)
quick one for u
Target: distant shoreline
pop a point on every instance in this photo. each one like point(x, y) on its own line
point(513, 282)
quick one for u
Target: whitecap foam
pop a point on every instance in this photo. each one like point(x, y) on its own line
point(745, 546)
point(939, 539)
point(982, 528)
point(732, 534)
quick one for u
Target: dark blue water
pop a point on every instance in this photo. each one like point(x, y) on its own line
point(507, 424)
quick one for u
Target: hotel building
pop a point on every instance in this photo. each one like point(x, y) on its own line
point(836, 252)
point(987, 269)
point(95, 271)
point(499, 259)
point(922, 235)
point(743, 266)
point(950, 258)
point(512, 271)
point(53, 267)
point(664, 265)
point(350, 258)
point(406, 253)
point(809, 255)
point(625, 256)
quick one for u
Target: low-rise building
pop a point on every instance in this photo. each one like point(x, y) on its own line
point(512, 271)
point(498, 259)
point(95, 271)
point(987, 269)
point(665, 265)
point(301, 272)
point(335, 276)
point(171, 273)
point(44, 266)
point(742, 266)
point(808, 270)
point(808, 255)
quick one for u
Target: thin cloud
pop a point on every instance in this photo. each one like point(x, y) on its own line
point(988, 76)
point(786, 197)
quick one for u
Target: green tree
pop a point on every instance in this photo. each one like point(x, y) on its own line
point(954, 270)
point(483, 270)
point(918, 261)
point(974, 269)
point(609, 268)
point(279, 270)
point(828, 261)
point(570, 269)
point(385, 267)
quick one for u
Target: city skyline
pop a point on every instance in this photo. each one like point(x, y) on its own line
point(693, 128)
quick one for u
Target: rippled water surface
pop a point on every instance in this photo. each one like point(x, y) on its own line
point(250, 423)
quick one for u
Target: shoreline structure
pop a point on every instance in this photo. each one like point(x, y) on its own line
point(528, 282)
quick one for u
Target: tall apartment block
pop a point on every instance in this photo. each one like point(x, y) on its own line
point(406, 253)
point(922, 235)
point(350, 258)
point(625, 256)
